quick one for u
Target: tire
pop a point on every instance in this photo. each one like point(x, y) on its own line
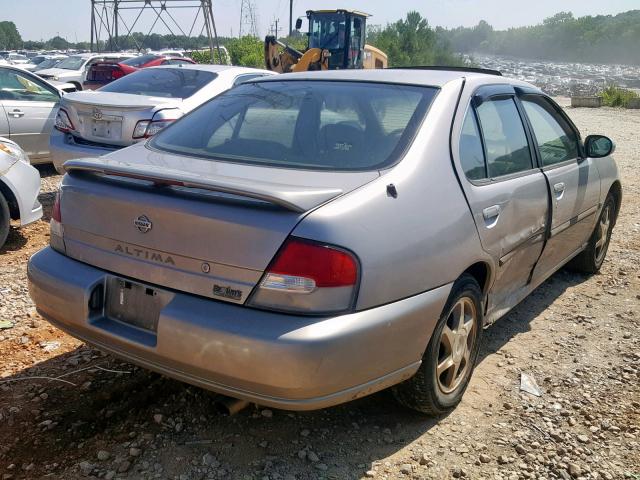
point(592, 257)
point(5, 219)
point(434, 394)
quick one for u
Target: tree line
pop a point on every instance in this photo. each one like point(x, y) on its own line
point(562, 37)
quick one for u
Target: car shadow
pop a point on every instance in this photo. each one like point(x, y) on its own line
point(111, 404)
point(46, 170)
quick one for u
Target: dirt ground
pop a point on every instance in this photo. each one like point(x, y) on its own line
point(577, 335)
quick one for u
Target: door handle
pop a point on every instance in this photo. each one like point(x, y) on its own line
point(491, 212)
point(558, 187)
point(16, 113)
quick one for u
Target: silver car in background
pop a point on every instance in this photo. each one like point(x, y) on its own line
point(136, 106)
point(307, 239)
point(28, 109)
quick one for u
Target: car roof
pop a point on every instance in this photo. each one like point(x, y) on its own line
point(212, 68)
point(405, 76)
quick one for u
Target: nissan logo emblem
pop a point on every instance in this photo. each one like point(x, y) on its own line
point(97, 114)
point(143, 223)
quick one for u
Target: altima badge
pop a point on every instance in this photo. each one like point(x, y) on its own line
point(143, 223)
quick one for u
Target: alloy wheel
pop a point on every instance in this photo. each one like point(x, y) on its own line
point(456, 344)
point(602, 233)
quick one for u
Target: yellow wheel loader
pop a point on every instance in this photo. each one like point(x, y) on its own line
point(336, 41)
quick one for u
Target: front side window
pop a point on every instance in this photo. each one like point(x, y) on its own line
point(471, 153)
point(505, 141)
point(556, 140)
point(316, 125)
point(16, 86)
point(161, 82)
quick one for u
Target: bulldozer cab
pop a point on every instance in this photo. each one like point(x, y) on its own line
point(342, 33)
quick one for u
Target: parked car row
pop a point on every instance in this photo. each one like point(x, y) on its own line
point(306, 239)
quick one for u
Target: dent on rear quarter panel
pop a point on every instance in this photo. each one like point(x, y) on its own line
point(418, 241)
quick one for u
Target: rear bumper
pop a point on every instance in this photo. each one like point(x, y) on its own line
point(283, 361)
point(63, 148)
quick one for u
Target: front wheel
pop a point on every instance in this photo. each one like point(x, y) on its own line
point(451, 355)
point(5, 219)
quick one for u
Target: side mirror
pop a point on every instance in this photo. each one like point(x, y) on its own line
point(298, 24)
point(598, 146)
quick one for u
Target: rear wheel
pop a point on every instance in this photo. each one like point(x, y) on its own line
point(5, 218)
point(592, 257)
point(451, 355)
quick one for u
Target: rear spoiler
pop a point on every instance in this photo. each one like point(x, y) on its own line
point(291, 197)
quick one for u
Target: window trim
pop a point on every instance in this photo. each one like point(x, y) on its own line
point(487, 93)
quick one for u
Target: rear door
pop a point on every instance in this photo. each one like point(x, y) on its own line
point(30, 107)
point(506, 191)
point(574, 182)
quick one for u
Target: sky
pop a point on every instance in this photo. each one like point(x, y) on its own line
point(71, 19)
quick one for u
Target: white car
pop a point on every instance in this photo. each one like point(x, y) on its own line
point(135, 107)
point(74, 69)
point(19, 188)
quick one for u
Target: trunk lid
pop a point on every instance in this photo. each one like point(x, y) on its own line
point(203, 227)
point(110, 118)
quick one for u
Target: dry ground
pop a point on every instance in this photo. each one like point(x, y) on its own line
point(577, 335)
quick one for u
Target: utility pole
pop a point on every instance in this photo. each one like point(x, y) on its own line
point(277, 29)
point(290, 17)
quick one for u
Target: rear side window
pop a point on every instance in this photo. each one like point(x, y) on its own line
point(161, 82)
point(317, 125)
point(556, 140)
point(471, 153)
point(139, 61)
point(506, 147)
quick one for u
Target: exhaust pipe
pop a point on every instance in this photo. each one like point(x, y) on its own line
point(230, 406)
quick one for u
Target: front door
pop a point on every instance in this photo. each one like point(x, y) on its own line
point(507, 193)
point(574, 182)
point(30, 106)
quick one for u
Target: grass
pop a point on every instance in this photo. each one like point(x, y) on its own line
point(614, 96)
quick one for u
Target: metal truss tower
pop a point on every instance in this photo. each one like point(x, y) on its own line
point(113, 21)
point(248, 19)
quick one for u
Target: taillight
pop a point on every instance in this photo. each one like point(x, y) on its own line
point(55, 227)
point(63, 122)
point(117, 73)
point(148, 128)
point(308, 277)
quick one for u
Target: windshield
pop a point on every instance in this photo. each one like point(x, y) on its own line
point(328, 31)
point(316, 125)
point(72, 63)
point(49, 63)
point(139, 61)
point(162, 82)
point(38, 59)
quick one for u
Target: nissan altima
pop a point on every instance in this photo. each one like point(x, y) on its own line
point(307, 239)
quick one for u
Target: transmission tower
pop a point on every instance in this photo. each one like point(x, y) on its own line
point(113, 22)
point(248, 19)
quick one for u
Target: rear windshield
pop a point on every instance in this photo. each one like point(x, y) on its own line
point(138, 61)
point(161, 82)
point(319, 125)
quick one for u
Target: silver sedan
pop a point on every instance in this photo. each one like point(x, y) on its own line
point(307, 239)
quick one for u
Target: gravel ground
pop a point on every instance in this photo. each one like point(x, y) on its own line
point(577, 335)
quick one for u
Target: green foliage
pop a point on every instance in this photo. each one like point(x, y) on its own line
point(247, 51)
point(10, 39)
point(412, 42)
point(204, 56)
point(562, 37)
point(614, 96)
